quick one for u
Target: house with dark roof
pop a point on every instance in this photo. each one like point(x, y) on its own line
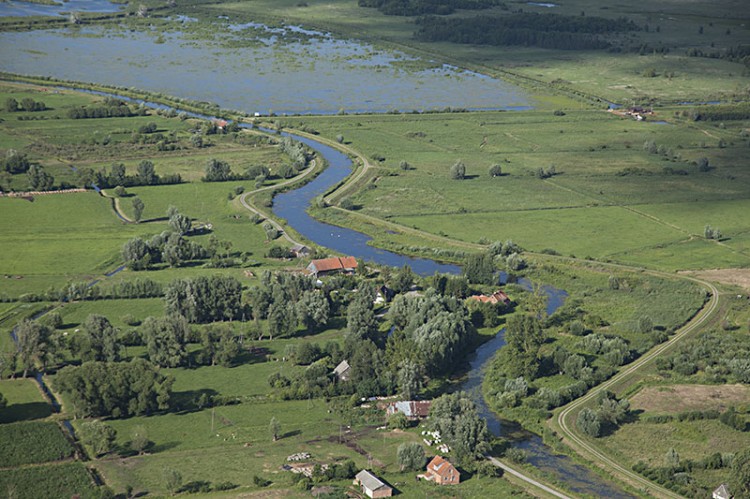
point(412, 409)
point(372, 486)
point(300, 250)
point(442, 472)
point(335, 265)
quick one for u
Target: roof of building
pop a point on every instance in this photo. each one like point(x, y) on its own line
point(722, 492)
point(300, 247)
point(413, 408)
point(369, 481)
point(341, 368)
point(496, 297)
point(335, 263)
point(440, 466)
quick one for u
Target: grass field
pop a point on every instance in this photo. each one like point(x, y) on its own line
point(25, 401)
point(610, 198)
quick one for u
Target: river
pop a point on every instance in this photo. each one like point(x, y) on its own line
point(291, 206)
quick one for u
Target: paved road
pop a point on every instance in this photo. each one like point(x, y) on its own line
point(527, 479)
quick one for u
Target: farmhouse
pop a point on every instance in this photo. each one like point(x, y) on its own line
point(371, 485)
point(412, 409)
point(342, 371)
point(495, 298)
point(335, 265)
point(440, 471)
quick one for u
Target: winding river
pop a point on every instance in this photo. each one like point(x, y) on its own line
point(291, 206)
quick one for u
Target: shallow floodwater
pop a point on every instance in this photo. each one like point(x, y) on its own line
point(260, 70)
point(13, 8)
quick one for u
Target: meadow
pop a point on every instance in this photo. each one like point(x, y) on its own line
point(609, 198)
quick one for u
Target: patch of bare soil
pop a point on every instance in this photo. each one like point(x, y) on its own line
point(735, 277)
point(679, 398)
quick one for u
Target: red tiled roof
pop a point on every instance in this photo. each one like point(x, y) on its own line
point(327, 264)
point(440, 466)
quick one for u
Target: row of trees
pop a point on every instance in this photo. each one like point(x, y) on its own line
point(117, 176)
point(422, 7)
point(552, 31)
point(27, 104)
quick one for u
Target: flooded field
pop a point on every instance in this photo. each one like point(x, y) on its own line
point(256, 69)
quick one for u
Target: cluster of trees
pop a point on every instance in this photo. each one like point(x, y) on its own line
point(27, 104)
point(289, 300)
point(551, 31)
point(116, 389)
point(109, 108)
point(607, 416)
point(39, 179)
point(455, 417)
point(480, 268)
point(430, 333)
point(675, 474)
point(722, 112)
point(168, 247)
point(15, 162)
point(117, 176)
point(712, 233)
point(422, 7)
point(719, 357)
point(205, 299)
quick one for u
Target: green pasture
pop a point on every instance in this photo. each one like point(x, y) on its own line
point(75, 313)
point(25, 401)
point(59, 236)
point(692, 439)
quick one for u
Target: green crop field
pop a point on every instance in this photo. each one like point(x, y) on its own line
point(33, 442)
point(54, 480)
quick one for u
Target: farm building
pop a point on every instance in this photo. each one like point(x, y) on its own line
point(442, 472)
point(412, 409)
point(300, 250)
point(342, 371)
point(335, 265)
point(495, 298)
point(371, 485)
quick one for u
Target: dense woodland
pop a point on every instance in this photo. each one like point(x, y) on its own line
point(552, 31)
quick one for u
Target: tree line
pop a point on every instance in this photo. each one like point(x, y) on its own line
point(552, 31)
point(422, 7)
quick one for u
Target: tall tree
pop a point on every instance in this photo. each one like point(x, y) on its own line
point(39, 179)
point(99, 436)
point(410, 456)
point(147, 173)
point(458, 170)
point(409, 379)
point(524, 337)
point(313, 309)
point(360, 318)
point(33, 342)
point(166, 339)
point(97, 340)
point(274, 428)
point(138, 207)
point(480, 269)
point(136, 254)
point(455, 417)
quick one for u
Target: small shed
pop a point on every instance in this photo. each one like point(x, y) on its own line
point(300, 250)
point(371, 485)
point(721, 492)
point(343, 370)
